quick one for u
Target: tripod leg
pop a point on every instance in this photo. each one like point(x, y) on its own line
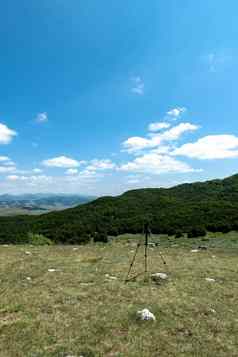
point(146, 268)
point(146, 248)
point(132, 262)
point(162, 258)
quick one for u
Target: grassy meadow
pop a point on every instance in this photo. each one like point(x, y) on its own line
point(72, 300)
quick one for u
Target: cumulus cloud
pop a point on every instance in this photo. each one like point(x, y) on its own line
point(71, 171)
point(158, 126)
point(210, 147)
point(137, 85)
point(136, 143)
point(41, 118)
point(175, 113)
point(6, 161)
point(31, 180)
point(61, 161)
point(37, 171)
point(4, 158)
point(6, 134)
point(155, 164)
point(7, 169)
point(175, 132)
point(100, 165)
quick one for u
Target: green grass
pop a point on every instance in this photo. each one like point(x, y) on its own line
point(77, 310)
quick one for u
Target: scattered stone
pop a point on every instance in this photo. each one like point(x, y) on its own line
point(202, 247)
point(213, 256)
point(146, 315)
point(28, 278)
point(162, 276)
point(111, 277)
point(86, 284)
point(194, 250)
point(75, 248)
point(5, 245)
point(152, 245)
point(211, 280)
point(159, 277)
point(28, 253)
point(51, 270)
point(213, 311)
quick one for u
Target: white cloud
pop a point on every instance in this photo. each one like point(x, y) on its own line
point(71, 172)
point(136, 144)
point(210, 147)
point(158, 126)
point(175, 132)
point(12, 177)
point(216, 60)
point(138, 86)
point(31, 180)
point(37, 171)
point(176, 112)
point(4, 158)
point(155, 164)
point(61, 161)
point(6, 161)
point(100, 165)
point(6, 134)
point(6, 169)
point(41, 118)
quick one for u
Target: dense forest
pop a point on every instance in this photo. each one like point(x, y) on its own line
point(211, 205)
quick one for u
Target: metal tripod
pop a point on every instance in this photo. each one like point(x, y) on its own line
point(147, 234)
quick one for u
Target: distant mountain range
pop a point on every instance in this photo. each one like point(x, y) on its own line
point(39, 203)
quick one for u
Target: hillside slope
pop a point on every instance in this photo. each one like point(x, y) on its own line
point(212, 205)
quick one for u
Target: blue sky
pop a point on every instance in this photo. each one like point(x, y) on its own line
point(99, 97)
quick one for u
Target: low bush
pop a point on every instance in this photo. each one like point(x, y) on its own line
point(101, 237)
point(197, 232)
point(38, 239)
point(178, 234)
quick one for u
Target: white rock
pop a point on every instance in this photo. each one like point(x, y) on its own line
point(162, 276)
point(28, 278)
point(75, 248)
point(51, 270)
point(108, 276)
point(28, 253)
point(194, 250)
point(211, 280)
point(113, 277)
point(146, 315)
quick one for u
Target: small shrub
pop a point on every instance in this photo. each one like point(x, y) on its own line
point(101, 237)
point(197, 232)
point(171, 232)
point(178, 234)
point(38, 239)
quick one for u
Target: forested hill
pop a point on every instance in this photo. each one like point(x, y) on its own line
point(212, 205)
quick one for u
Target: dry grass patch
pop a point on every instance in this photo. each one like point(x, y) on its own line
point(77, 310)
